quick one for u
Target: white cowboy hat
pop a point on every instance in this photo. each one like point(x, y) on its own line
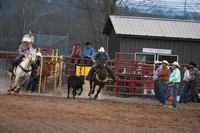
point(166, 62)
point(101, 49)
point(157, 62)
point(176, 64)
point(38, 54)
point(26, 40)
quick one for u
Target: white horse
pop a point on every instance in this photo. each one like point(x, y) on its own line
point(22, 71)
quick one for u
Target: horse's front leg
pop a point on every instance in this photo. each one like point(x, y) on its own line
point(11, 82)
point(90, 89)
point(17, 85)
point(98, 91)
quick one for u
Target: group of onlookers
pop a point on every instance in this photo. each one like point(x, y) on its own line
point(88, 51)
point(164, 79)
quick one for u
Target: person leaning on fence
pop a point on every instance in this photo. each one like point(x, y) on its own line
point(33, 79)
point(23, 48)
point(88, 51)
point(174, 80)
point(163, 79)
point(184, 90)
point(30, 36)
point(194, 75)
point(100, 57)
point(76, 52)
point(158, 68)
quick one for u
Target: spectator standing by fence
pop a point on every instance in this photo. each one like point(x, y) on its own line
point(158, 68)
point(76, 52)
point(194, 74)
point(174, 81)
point(163, 79)
point(30, 37)
point(184, 91)
point(88, 51)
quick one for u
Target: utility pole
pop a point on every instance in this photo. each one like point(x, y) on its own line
point(185, 7)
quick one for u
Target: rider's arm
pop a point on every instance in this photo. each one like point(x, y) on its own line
point(108, 58)
point(73, 49)
point(94, 56)
point(21, 50)
point(84, 52)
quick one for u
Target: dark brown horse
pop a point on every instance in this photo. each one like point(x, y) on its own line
point(100, 77)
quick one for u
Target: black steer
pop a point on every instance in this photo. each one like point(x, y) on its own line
point(76, 83)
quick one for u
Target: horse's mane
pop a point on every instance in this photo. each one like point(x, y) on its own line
point(27, 54)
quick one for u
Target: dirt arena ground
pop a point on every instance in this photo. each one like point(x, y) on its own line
point(25, 113)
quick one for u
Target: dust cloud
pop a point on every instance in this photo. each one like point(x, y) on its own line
point(4, 81)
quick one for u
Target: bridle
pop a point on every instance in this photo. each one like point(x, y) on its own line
point(102, 81)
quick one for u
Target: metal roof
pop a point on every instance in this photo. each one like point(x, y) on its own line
point(125, 25)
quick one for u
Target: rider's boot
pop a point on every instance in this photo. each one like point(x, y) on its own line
point(115, 78)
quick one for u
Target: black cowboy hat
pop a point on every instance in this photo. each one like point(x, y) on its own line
point(88, 43)
point(193, 64)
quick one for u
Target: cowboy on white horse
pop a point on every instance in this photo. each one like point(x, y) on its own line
point(23, 48)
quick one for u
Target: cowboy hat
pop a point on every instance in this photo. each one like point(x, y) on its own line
point(193, 64)
point(157, 62)
point(101, 49)
point(38, 54)
point(88, 43)
point(26, 40)
point(176, 64)
point(166, 62)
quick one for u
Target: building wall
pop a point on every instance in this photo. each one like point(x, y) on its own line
point(113, 44)
point(187, 50)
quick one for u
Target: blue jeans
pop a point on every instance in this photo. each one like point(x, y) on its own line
point(156, 89)
point(184, 92)
point(163, 91)
point(174, 89)
point(192, 85)
point(17, 60)
point(76, 56)
point(32, 81)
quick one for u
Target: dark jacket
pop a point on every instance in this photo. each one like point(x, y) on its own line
point(100, 58)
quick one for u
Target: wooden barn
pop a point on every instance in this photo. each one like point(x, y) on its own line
point(153, 38)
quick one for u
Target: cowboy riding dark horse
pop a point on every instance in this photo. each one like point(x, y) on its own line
point(98, 74)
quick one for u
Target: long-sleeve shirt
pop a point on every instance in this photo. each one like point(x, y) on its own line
point(155, 76)
point(175, 77)
point(24, 48)
point(99, 58)
point(88, 51)
point(76, 51)
point(194, 73)
point(29, 37)
point(164, 74)
point(186, 75)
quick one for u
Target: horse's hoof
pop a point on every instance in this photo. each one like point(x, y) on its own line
point(90, 97)
point(10, 89)
point(95, 98)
